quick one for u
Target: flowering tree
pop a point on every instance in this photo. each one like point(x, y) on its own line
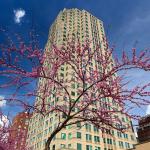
point(4, 133)
point(11, 136)
point(98, 92)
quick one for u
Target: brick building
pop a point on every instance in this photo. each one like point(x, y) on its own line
point(19, 130)
point(144, 129)
point(143, 132)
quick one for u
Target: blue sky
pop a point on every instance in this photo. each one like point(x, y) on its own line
point(126, 22)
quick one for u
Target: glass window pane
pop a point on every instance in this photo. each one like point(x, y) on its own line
point(79, 146)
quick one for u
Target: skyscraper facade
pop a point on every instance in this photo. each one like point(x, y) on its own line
point(81, 25)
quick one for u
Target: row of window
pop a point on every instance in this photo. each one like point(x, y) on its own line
point(88, 128)
point(90, 147)
point(79, 136)
point(122, 135)
point(79, 147)
point(96, 139)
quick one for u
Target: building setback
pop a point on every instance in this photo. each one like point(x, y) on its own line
point(69, 24)
point(143, 132)
point(144, 129)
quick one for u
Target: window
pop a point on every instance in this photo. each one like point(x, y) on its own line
point(53, 147)
point(123, 119)
point(96, 139)
point(121, 144)
point(61, 74)
point(64, 115)
point(97, 148)
point(88, 147)
point(62, 68)
point(79, 146)
point(57, 99)
point(72, 93)
point(109, 141)
point(45, 132)
point(96, 129)
point(73, 86)
point(79, 125)
point(46, 123)
point(108, 131)
point(62, 145)
point(88, 127)
point(132, 137)
point(70, 136)
point(69, 145)
point(69, 127)
point(125, 136)
point(127, 145)
point(104, 140)
point(112, 132)
point(79, 135)
point(88, 137)
point(54, 138)
point(63, 136)
point(119, 134)
point(73, 109)
point(114, 142)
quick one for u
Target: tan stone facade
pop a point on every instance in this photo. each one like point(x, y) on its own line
point(142, 146)
point(84, 26)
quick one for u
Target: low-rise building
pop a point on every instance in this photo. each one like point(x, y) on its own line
point(143, 132)
point(18, 132)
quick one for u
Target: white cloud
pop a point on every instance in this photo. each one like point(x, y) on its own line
point(2, 101)
point(148, 110)
point(19, 14)
point(4, 120)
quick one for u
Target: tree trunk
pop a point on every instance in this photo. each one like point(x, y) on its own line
point(49, 140)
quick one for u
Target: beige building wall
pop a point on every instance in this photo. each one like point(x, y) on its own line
point(83, 26)
point(142, 146)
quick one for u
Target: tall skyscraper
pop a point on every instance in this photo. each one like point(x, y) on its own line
point(81, 25)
